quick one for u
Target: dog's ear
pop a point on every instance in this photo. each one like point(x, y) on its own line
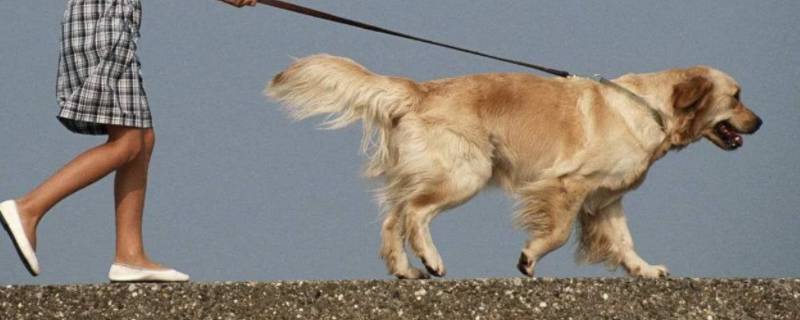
point(689, 93)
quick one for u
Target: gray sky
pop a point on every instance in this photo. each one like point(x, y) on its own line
point(238, 192)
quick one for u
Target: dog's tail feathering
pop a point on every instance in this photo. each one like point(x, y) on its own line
point(346, 92)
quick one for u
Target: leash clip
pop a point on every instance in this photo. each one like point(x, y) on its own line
point(599, 77)
point(596, 77)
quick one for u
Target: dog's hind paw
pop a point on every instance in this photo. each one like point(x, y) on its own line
point(436, 270)
point(650, 272)
point(525, 265)
point(411, 274)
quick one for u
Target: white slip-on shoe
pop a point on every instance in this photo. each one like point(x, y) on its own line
point(9, 216)
point(126, 273)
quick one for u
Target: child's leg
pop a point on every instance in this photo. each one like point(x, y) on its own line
point(130, 185)
point(123, 146)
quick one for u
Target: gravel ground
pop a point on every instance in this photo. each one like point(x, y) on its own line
point(591, 298)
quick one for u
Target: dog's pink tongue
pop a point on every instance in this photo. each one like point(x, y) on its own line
point(731, 136)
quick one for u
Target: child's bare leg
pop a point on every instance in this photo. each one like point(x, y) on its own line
point(123, 145)
point(130, 185)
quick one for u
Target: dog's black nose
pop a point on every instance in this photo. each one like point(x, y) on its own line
point(759, 122)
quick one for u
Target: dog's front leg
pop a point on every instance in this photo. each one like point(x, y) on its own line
point(547, 211)
point(605, 237)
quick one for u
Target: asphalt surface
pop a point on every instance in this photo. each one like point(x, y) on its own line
point(590, 298)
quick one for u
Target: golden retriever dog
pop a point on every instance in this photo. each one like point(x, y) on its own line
point(567, 149)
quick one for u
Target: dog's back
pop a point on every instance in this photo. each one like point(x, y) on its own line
point(532, 121)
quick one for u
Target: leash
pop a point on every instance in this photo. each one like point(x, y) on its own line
point(327, 16)
point(656, 114)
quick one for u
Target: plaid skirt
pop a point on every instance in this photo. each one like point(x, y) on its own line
point(99, 80)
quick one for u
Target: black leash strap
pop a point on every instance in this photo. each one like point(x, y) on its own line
point(326, 16)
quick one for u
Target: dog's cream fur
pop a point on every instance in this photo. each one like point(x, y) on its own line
point(567, 149)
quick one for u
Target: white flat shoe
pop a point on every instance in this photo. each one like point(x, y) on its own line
point(9, 217)
point(126, 273)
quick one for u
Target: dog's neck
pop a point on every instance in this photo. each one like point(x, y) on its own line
point(655, 113)
point(657, 100)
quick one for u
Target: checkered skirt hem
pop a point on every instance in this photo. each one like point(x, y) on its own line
point(99, 78)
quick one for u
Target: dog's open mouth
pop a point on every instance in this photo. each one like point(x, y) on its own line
point(726, 132)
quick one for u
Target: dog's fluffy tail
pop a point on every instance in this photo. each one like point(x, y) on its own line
point(346, 92)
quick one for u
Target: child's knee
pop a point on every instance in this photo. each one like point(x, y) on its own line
point(128, 145)
point(132, 144)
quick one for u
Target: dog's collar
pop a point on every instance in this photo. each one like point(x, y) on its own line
point(656, 114)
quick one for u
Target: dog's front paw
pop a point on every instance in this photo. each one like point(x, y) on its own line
point(650, 271)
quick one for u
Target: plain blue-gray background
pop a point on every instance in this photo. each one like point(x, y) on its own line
point(238, 192)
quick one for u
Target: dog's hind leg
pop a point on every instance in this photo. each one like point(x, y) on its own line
point(605, 237)
point(450, 171)
point(392, 247)
point(438, 167)
point(547, 211)
point(450, 191)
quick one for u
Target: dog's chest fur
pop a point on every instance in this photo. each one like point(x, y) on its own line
point(619, 155)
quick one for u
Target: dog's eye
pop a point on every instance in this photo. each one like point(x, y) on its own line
point(736, 95)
